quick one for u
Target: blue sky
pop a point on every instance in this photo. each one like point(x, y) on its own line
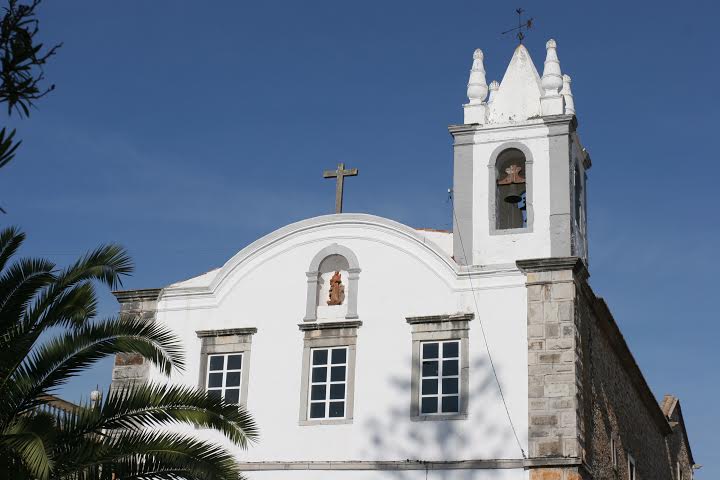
point(185, 130)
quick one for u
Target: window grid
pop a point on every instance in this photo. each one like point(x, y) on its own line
point(328, 383)
point(440, 377)
point(224, 374)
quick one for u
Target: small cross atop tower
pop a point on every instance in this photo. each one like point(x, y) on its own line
point(340, 174)
point(521, 25)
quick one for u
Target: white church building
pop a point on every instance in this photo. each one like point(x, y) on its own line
point(387, 352)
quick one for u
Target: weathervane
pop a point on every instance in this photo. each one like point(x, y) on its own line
point(527, 25)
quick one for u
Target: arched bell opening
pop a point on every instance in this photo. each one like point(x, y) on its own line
point(511, 190)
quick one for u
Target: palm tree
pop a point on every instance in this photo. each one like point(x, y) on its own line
point(49, 334)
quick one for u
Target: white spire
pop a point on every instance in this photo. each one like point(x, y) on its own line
point(566, 92)
point(552, 101)
point(494, 86)
point(518, 97)
point(477, 86)
point(477, 90)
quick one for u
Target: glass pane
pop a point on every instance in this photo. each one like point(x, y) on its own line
point(450, 404)
point(430, 387)
point(337, 374)
point(232, 395)
point(317, 392)
point(217, 362)
point(317, 410)
point(215, 394)
point(339, 355)
point(215, 380)
point(319, 374)
point(428, 405)
point(450, 349)
point(232, 379)
point(337, 391)
point(449, 385)
point(337, 409)
point(450, 367)
point(320, 357)
point(430, 369)
point(234, 362)
point(430, 350)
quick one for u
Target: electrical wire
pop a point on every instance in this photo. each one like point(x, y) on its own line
point(482, 330)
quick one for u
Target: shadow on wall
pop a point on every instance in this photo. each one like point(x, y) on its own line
point(392, 436)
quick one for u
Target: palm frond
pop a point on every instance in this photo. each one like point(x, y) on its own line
point(61, 358)
point(29, 437)
point(133, 454)
point(147, 405)
point(11, 239)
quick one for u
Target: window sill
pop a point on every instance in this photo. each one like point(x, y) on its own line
point(511, 231)
point(326, 421)
point(430, 418)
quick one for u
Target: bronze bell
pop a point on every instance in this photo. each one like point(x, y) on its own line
point(513, 193)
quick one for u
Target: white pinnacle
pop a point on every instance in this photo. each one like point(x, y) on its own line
point(494, 86)
point(566, 92)
point(477, 89)
point(552, 77)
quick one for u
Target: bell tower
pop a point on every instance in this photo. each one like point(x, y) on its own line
point(519, 168)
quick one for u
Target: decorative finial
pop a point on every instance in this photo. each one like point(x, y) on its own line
point(494, 86)
point(477, 89)
point(552, 77)
point(95, 397)
point(566, 92)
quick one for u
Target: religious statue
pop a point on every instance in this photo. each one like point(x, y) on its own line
point(337, 290)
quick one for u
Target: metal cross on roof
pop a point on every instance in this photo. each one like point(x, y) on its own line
point(340, 174)
point(527, 25)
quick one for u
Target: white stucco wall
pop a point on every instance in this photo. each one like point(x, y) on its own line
point(403, 274)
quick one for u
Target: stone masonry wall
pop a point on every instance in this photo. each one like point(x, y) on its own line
point(553, 372)
point(619, 409)
point(130, 368)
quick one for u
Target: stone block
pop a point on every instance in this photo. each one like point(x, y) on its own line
point(548, 358)
point(568, 378)
point(538, 404)
point(559, 344)
point(568, 330)
point(561, 403)
point(549, 420)
point(535, 312)
point(532, 358)
point(547, 448)
point(536, 345)
point(540, 369)
point(536, 391)
point(563, 291)
point(536, 331)
point(559, 390)
point(552, 330)
point(565, 311)
point(550, 312)
point(545, 474)
point(535, 293)
point(562, 275)
point(533, 277)
point(124, 359)
point(570, 447)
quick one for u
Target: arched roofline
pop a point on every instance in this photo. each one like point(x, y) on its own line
point(287, 232)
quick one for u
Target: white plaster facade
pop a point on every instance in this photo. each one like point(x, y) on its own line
point(399, 272)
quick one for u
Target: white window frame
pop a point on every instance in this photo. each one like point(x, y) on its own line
point(328, 382)
point(440, 375)
point(632, 468)
point(223, 387)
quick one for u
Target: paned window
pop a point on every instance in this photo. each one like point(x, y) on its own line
point(328, 383)
point(223, 376)
point(440, 377)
